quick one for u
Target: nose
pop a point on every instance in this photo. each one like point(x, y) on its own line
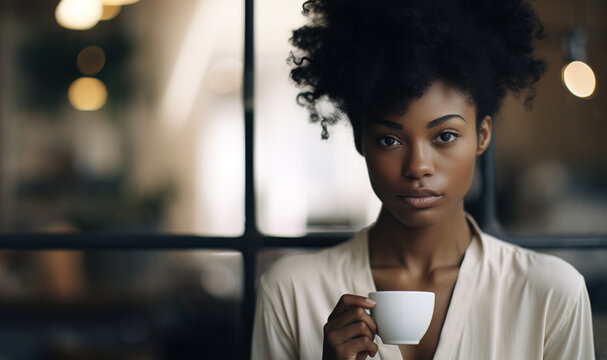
point(418, 163)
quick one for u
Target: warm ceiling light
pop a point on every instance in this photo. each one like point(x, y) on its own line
point(118, 2)
point(110, 11)
point(79, 14)
point(90, 60)
point(579, 79)
point(87, 94)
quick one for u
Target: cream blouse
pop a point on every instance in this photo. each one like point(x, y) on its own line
point(508, 303)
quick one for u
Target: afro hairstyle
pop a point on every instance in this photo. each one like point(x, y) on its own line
point(373, 58)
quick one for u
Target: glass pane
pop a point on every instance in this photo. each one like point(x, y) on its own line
point(303, 183)
point(120, 304)
point(150, 140)
point(551, 160)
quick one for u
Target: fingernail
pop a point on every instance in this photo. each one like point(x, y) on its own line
point(370, 301)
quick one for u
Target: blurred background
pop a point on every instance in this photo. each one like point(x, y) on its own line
point(132, 122)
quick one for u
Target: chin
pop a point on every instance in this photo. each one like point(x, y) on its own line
point(418, 218)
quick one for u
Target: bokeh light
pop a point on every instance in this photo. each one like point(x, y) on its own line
point(91, 60)
point(110, 11)
point(78, 14)
point(579, 79)
point(225, 76)
point(87, 94)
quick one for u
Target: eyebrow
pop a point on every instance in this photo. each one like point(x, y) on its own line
point(431, 124)
point(442, 119)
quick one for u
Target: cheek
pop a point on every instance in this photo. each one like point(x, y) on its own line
point(382, 170)
point(459, 171)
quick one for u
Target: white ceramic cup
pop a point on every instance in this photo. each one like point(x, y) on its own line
point(402, 317)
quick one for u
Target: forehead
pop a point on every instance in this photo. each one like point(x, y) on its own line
point(438, 100)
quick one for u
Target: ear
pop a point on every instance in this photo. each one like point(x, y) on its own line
point(484, 135)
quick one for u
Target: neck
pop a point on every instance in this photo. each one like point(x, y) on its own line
point(419, 249)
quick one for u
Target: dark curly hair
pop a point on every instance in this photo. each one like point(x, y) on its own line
point(375, 57)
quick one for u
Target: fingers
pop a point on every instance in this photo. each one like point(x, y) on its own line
point(350, 331)
point(358, 346)
point(353, 315)
point(348, 301)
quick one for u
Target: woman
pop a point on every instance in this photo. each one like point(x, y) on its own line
point(420, 81)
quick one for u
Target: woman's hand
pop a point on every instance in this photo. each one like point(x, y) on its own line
point(350, 330)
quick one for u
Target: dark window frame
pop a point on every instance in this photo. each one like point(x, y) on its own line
point(251, 242)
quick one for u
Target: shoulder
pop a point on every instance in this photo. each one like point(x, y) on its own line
point(538, 296)
point(306, 269)
point(546, 274)
point(291, 267)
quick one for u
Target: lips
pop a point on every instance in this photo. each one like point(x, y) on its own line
point(419, 198)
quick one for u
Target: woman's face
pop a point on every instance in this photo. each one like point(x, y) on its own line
point(421, 163)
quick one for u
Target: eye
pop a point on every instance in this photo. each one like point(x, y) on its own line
point(387, 141)
point(446, 137)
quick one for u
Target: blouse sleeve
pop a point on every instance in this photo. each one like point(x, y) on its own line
point(271, 338)
point(574, 338)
